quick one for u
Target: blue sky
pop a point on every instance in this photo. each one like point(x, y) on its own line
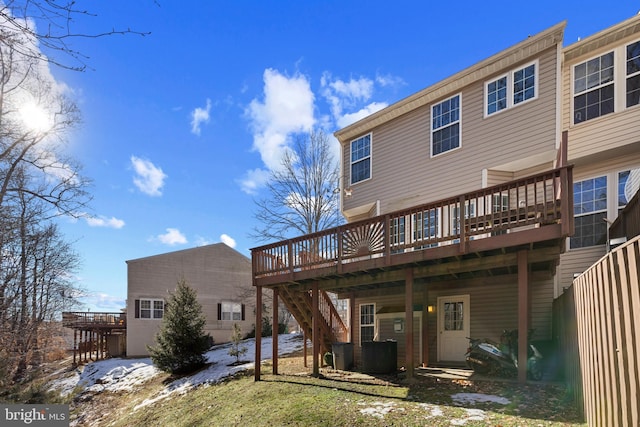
point(180, 127)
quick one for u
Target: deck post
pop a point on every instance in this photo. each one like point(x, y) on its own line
point(304, 347)
point(315, 332)
point(408, 323)
point(352, 317)
point(274, 332)
point(523, 314)
point(425, 326)
point(258, 355)
point(75, 346)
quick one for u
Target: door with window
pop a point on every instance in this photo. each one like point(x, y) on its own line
point(453, 328)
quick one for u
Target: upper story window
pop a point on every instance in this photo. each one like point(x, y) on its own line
point(607, 83)
point(361, 159)
point(445, 126)
point(512, 89)
point(593, 88)
point(633, 74)
point(149, 309)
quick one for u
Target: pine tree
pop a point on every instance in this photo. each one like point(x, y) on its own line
point(181, 341)
point(236, 338)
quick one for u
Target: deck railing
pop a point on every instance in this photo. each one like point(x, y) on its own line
point(533, 201)
point(88, 319)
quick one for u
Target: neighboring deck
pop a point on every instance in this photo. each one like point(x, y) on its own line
point(96, 335)
point(475, 234)
point(82, 320)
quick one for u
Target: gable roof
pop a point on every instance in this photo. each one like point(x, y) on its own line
point(479, 71)
point(603, 38)
point(213, 249)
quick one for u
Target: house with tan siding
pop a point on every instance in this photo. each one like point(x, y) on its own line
point(471, 204)
point(220, 275)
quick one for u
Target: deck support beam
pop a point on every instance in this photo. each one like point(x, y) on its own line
point(425, 326)
point(352, 317)
point(274, 332)
point(408, 322)
point(315, 333)
point(258, 355)
point(523, 314)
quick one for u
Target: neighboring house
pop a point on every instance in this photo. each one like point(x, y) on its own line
point(460, 200)
point(220, 275)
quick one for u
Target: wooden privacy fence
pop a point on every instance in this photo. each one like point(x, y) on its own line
point(603, 339)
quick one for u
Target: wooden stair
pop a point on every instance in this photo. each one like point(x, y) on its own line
point(299, 304)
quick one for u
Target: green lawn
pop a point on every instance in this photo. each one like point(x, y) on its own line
point(300, 400)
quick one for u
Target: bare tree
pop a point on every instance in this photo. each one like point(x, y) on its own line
point(302, 195)
point(36, 283)
point(45, 29)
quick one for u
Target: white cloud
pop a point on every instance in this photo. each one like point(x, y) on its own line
point(173, 236)
point(202, 241)
point(103, 302)
point(389, 80)
point(228, 240)
point(102, 221)
point(360, 89)
point(253, 180)
point(199, 116)
point(349, 118)
point(149, 178)
point(287, 108)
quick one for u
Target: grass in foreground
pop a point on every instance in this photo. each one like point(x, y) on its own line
point(300, 400)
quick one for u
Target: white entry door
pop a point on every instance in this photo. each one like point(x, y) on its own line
point(453, 328)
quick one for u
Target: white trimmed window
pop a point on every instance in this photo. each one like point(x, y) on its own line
point(633, 74)
point(509, 90)
point(590, 209)
point(230, 311)
point(445, 126)
point(396, 233)
point(593, 88)
point(367, 322)
point(361, 159)
point(628, 183)
point(149, 308)
point(426, 227)
point(607, 83)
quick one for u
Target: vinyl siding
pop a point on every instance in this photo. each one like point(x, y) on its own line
point(217, 273)
point(404, 174)
point(493, 308)
point(609, 132)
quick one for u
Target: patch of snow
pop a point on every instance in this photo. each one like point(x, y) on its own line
point(434, 410)
point(378, 409)
point(119, 374)
point(472, 415)
point(471, 398)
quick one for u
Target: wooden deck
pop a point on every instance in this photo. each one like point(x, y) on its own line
point(470, 233)
point(517, 229)
point(96, 335)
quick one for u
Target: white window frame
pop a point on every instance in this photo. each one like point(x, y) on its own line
point(367, 325)
point(228, 308)
point(152, 310)
point(627, 75)
point(362, 159)
point(605, 210)
point(598, 87)
point(426, 225)
point(619, 82)
point(450, 124)
point(510, 90)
